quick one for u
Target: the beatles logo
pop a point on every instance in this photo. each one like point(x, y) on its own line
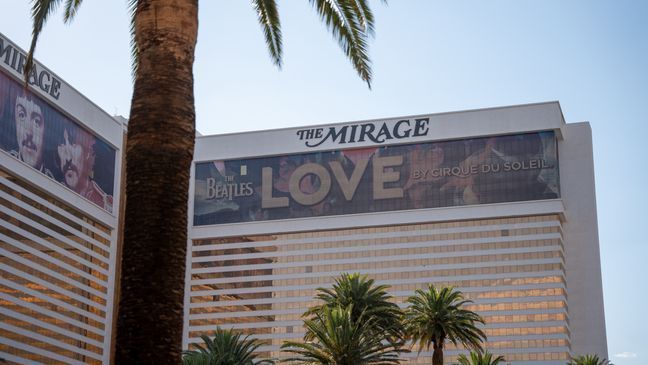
point(228, 189)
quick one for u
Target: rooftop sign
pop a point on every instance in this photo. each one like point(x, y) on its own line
point(365, 132)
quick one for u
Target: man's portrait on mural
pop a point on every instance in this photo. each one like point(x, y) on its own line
point(76, 162)
point(30, 130)
point(24, 126)
point(76, 158)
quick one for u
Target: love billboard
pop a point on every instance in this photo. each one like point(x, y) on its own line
point(436, 174)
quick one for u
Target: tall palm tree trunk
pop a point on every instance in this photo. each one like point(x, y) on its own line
point(437, 355)
point(159, 152)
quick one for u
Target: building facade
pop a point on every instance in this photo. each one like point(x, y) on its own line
point(498, 202)
point(60, 166)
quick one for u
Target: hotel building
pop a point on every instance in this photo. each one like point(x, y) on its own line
point(499, 203)
point(60, 165)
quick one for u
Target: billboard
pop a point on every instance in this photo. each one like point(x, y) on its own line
point(37, 134)
point(471, 171)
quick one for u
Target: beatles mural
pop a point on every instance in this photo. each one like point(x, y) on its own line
point(35, 133)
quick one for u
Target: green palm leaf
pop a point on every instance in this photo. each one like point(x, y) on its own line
point(226, 347)
point(71, 9)
point(338, 339)
point(132, 8)
point(477, 358)
point(367, 300)
point(41, 10)
point(351, 22)
point(588, 360)
point(269, 19)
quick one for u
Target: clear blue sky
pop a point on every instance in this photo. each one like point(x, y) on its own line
point(428, 57)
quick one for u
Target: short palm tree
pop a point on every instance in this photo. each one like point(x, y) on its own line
point(435, 316)
point(588, 360)
point(338, 339)
point(367, 300)
point(226, 347)
point(477, 358)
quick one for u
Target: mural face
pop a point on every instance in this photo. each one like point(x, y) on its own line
point(387, 178)
point(37, 134)
point(30, 131)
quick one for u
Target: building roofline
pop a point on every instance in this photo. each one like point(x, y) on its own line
point(86, 99)
point(307, 126)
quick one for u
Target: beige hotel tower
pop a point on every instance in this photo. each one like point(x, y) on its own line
point(498, 202)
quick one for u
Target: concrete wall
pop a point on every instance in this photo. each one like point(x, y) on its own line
point(584, 287)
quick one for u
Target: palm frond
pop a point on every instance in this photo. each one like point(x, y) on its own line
point(132, 8)
point(40, 12)
point(71, 9)
point(477, 358)
point(365, 15)
point(269, 20)
point(351, 22)
point(588, 359)
point(224, 347)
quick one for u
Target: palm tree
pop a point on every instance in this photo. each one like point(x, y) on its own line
point(366, 299)
point(338, 339)
point(225, 348)
point(159, 153)
point(436, 316)
point(477, 358)
point(588, 360)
